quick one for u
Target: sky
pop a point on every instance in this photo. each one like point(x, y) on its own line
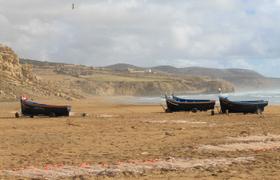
point(181, 33)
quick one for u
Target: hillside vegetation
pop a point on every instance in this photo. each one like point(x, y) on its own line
point(100, 81)
point(68, 81)
point(241, 79)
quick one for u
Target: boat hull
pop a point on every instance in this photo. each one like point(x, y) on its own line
point(192, 105)
point(242, 106)
point(29, 108)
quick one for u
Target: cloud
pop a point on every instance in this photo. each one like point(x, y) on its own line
point(214, 33)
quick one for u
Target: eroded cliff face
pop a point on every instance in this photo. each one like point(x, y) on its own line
point(17, 79)
point(123, 83)
point(12, 74)
point(153, 88)
point(11, 68)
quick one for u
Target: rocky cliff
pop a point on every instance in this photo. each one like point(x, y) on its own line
point(18, 79)
point(13, 75)
point(96, 81)
point(10, 66)
point(150, 88)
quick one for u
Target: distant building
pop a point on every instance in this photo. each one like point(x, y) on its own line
point(131, 70)
point(149, 70)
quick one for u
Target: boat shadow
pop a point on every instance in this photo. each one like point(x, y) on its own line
point(36, 117)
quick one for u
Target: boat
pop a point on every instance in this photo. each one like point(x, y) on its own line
point(30, 108)
point(175, 104)
point(245, 107)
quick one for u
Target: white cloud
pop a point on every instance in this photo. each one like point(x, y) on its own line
point(215, 33)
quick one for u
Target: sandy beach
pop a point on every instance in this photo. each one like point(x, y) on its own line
point(138, 142)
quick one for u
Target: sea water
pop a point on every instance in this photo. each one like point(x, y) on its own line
point(273, 96)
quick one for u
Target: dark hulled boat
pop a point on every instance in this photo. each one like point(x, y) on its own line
point(179, 104)
point(228, 106)
point(30, 108)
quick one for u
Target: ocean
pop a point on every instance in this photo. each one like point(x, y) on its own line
point(273, 96)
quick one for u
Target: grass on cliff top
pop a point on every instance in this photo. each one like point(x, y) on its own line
point(104, 76)
point(126, 78)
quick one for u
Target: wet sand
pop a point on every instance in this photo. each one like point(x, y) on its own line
point(129, 134)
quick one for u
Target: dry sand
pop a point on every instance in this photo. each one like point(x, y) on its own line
point(120, 138)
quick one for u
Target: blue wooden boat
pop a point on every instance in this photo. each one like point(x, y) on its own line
point(175, 104)
point(30, 108)
point(245, 107)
